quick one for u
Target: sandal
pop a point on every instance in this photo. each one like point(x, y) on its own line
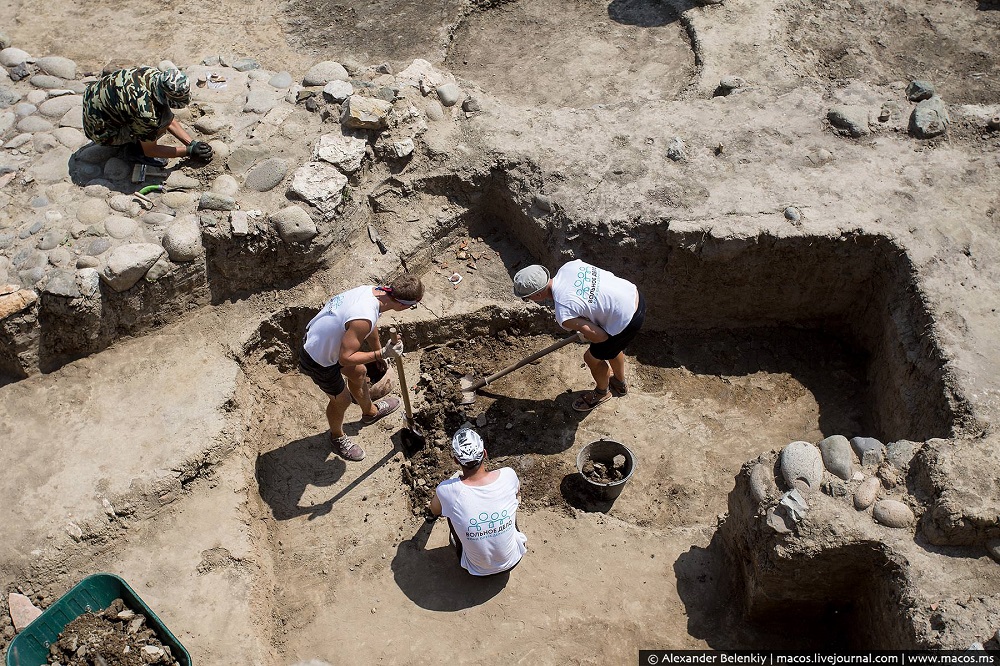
point(591, 399)
point(385, 406)
point(347, 449)
point(617, 386)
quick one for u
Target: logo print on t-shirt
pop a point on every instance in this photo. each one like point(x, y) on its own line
point(333, 304)
point(588, 283)
point(488, 524)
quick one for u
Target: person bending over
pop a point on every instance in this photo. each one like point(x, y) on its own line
point(605, 310)
point(132, 108)
point(332, 351)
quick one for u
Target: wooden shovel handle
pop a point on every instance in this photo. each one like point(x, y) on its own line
point(480, 383)
point(404, 389)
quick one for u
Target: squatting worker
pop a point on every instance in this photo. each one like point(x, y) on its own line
point(331, 351)
point(132, 108)
point(481, 508)
point(604, 309)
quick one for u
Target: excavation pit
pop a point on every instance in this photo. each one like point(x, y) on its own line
point(785, 339)
point(696, 410)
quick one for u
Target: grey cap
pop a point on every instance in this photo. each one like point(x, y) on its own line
point(530, 280)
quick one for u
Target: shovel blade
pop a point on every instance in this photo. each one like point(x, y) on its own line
point(412, 439)
point(468, 393)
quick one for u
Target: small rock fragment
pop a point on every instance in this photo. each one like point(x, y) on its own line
point(22, 611)
point(917, 91)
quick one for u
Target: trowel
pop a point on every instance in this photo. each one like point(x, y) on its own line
point(470, 384)
point(375, 238)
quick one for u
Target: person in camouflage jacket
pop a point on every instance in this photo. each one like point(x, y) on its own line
point(132, 108)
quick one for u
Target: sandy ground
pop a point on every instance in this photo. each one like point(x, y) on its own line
point(257, 546)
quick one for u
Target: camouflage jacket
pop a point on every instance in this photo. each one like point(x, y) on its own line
point(119, 108)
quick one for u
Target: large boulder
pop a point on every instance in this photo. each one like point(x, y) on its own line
point(13, 299)
point(182, 240)
point(64, 68)
point(322, 73)
point(57, 107)
point(849, 118)
point(366, 113)
point(127, 264)
point(12, 57)
point(893, 513)
point(266, 175)
point(929, 119)
point(837, 457)
point(801, 466)
point(294, 225)
point(319, 184)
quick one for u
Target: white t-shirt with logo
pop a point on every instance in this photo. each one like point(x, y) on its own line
point(582, 290)
point(483, 517)
point(325, 331)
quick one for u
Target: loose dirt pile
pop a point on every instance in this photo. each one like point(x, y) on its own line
point(508, 426)
point(117, 636)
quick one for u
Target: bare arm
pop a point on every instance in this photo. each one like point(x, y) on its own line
point(436, 505)
point(153, 149)
point(589, 329)
point(350, 346)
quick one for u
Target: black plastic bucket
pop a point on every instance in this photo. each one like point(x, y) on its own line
point(604, 451)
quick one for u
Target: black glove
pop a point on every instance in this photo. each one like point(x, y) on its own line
point(199, 149)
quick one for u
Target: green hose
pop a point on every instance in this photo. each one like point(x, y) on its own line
point(151, 188)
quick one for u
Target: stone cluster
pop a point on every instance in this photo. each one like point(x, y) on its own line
point(74, 225)
point(928, 119)
point(861, 470)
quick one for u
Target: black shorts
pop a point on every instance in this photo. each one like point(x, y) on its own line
point(607, 350)
point(329, 379)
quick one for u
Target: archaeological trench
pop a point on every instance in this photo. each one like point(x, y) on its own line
point(780, 312)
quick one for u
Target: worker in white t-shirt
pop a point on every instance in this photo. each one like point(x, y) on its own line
point(605, 310)
point(481, 508)
point(332, 351)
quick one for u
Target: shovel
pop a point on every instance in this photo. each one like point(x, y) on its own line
point(469, 387)
point(413, 440)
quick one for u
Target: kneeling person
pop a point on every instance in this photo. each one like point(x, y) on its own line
point(481, 508)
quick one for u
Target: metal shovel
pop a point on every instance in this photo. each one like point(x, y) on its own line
point(470, 385)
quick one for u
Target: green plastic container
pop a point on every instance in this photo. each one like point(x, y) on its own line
point(92, 594)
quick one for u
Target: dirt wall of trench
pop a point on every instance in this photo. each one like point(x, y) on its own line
point(860, 287)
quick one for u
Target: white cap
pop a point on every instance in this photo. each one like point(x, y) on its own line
point(467, 447)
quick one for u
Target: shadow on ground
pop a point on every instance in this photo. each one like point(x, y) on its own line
point(433, 579)
point(645, 13)
point(284, 473)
